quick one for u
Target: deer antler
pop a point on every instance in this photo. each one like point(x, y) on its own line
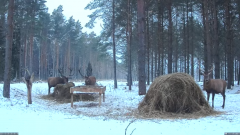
point(201, 70)
point(71, 72)
point(80, 72)
point(60, 73)
point(209, 71)
point(28, 72)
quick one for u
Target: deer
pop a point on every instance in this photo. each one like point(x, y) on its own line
point(89, 80)
point(214, 86)
point(53, 81)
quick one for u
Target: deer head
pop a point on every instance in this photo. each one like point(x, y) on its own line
point(206, 73)
point(89, 80)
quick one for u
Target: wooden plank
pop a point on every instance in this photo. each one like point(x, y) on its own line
point(100, 89)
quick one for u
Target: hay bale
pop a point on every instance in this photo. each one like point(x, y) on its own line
point(62, 91)
point(174, 93)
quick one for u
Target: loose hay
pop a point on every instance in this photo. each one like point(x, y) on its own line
point(62, 91)
point(175, 93)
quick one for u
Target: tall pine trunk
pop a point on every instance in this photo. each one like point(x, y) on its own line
point(114, 45)
point(8, 51)
point(170, 36)
point(229, 44)
point(129, 46)
point(148, 49)
point(141, 47)
point(216, 42)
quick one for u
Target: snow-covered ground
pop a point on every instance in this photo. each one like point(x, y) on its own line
point(47, 117)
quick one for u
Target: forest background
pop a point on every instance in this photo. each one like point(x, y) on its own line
point(179, 36)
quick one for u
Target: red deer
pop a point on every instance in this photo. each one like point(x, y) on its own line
point(89, 80)
point(53, 81)
point(213, 86)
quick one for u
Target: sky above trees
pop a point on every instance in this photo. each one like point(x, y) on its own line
point(76, 9)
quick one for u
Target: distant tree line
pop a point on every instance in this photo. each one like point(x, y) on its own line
point(179, 36)
point(44, 43)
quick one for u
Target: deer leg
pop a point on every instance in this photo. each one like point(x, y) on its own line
point(208, 95)
point(213, 94)
point(49, 90)
point(224, 96)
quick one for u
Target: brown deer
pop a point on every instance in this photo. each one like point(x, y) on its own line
point(89, 80)
point(53, 81)
point(213, 86)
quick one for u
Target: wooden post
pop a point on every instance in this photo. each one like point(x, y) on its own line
point(100, 99)
point(71, 99)
point(103, 96)
point(28, 81)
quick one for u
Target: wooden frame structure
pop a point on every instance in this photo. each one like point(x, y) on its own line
point(89, 89)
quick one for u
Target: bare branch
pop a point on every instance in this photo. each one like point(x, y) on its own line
point(128, 126)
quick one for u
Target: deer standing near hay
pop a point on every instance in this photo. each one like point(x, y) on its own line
point(28, 81)
point(89, 80)
point(213, 86)
point(53, 81)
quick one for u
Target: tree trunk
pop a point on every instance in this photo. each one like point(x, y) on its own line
point(141, 50)
point(129, 46)
point(187, 41)
point(216, 42)
point(229, 44)
point(159, 37)
point(114, 50)
point(184, 42)
point(8, 51)
point(148, 49)
point(162, 41)
point(170, 36)
point(176, 46)
point(208, 53)
point(206, 41)
point(192, 44)
point(238, 72)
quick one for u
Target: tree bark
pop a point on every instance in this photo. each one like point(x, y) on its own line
point(170, 36)
point(141, 49)
point(129, 46)
point(187, 40)
point(192, 44)
point(8, 51)
point(208, 53)
point(216, 42)
point(238, 71)
point(176, 46)
point(148, 46)
point(114, 45)
point(229, 44)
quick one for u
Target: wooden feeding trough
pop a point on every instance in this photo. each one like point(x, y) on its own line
point(89, 89)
